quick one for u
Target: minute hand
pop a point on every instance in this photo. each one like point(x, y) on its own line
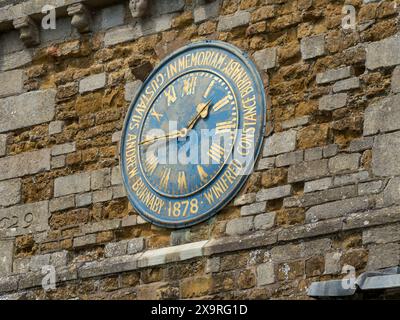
point(202, 112)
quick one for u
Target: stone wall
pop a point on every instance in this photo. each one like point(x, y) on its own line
point(325, 192)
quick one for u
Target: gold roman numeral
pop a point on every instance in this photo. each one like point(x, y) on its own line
point(182, 183)
point(156, 115)
point(170, 94)
point(224, 127)
point(210, 86)
point(189, 86)
point(221, 103)
point(165, 178)
point(216, 152)
point(202, 174)
point(151, 162)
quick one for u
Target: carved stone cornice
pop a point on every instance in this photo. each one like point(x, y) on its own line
point(29, 32)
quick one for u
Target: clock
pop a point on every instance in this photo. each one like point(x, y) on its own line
point(192, 134)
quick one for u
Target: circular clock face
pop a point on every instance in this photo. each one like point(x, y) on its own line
point(192, 134)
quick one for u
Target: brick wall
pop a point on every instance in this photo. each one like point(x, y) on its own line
point(324, 194)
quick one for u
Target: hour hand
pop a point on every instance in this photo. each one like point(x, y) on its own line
point(203, 110)
point(175, 134)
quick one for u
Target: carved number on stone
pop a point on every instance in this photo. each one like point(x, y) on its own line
point(14, 222)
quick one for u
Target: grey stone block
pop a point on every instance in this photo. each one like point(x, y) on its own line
point(168, 6)
point(318, 185)
point(351, 178)
point(29, 218)
point(361, 144)
point(254, 208)
point(319, 197)
point(84, 240)
point(10, 192)
point(391, 194)
point(330, 150)
point(296, 122)
point(313, 154)
point(120, 35)
point(15, 60)
point(227, 23)
point(116, 137)
point(312, 47)
point(280, 142)
point(129, 221)
point(24, 164)
point(239, 226)
point(76, 183)
point(6, 256)
point(116, 178)
point(264, 221)
point(336, 209)
point(108, 266)
point(344, 162)
point(332, 262)
point(39, 261)
point(9, 283)
point(372, 218)
point(396, 80)
point(347, 84)
point(308, 170)
point(311, 230)
point(83, 200)
point(12, 83)
point(265, 163)
point(213, 265)
point(265, 274)
point(118, 192)
point(290, 158)
point(333, 101)
point(274, 193)
point(3, 144)
point(10, 42)
point(383, 256)
point(115, 249)
point(135, 245)
point(380, 235)
point(206, 11)
point(57, 162)
point(370, 187)
point(385, 155)
point(56, 127)
point(383, 53)
point(334, 75)
point(92, 83)
point(382, 116)
point(63, 148)
point(62, 32)
point(102, 195)
point(112, 16)
point(100, 179)
point(132, 89)
point(244, 199)
point(26, 110)
point(59, 204)
point(266, 58)
point(103, 225)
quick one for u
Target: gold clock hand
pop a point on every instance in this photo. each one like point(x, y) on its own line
point(202, 112)
point(176, 134)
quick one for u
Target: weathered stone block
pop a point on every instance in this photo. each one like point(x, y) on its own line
point(274, 193)
point(265, 274)
point(116, 178)
point(347, 84)
point(280, 142)
point(102, 195)
point(266, 58)
point(254, 208)
point(92, 83)
point(76, 183)
point(63, 148)
point(265, 163)
point(308, 170)
point(317, 185)
point(372, 218)
point(3, 144)
point(83, 200)
point(63, 203)
point(115, 249)
point(10, 192)
point(290, 158)
point(370, 187)
point(118, 192)
point(135, 245)
point(396, 80)
point(100, 179)
point(239, 226)
point(132, 89)
point(112, 16)
point(56, 127)
point(58, 162)
point(168, 6)
point(26, 110)
point(264, 221)
point(15, 60)
point(296, 122)
point(334, 75)
point(84, 240)
point(120, 35)
point(351, 178)
point(330, 150)
point(310, 230)
point(382, 116)
point(385, 155)
point(24, 164)
point(383, 256)
point(12, 83)
point(313, 154)
point(336, 209)
point(29, 218)
point(6, 256)
point(312, 47)
point(380, 235)
point(332, 262)
point(206, 11)
point(243, 199)
point(333, 101)
point(213, 265)
point(361, 144)
point(383, 53)
point(343, 162)
point(227, 23)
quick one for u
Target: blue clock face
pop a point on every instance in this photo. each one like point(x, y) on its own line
point(192, 134)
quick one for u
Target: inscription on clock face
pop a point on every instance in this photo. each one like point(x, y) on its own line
point(192, 134)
